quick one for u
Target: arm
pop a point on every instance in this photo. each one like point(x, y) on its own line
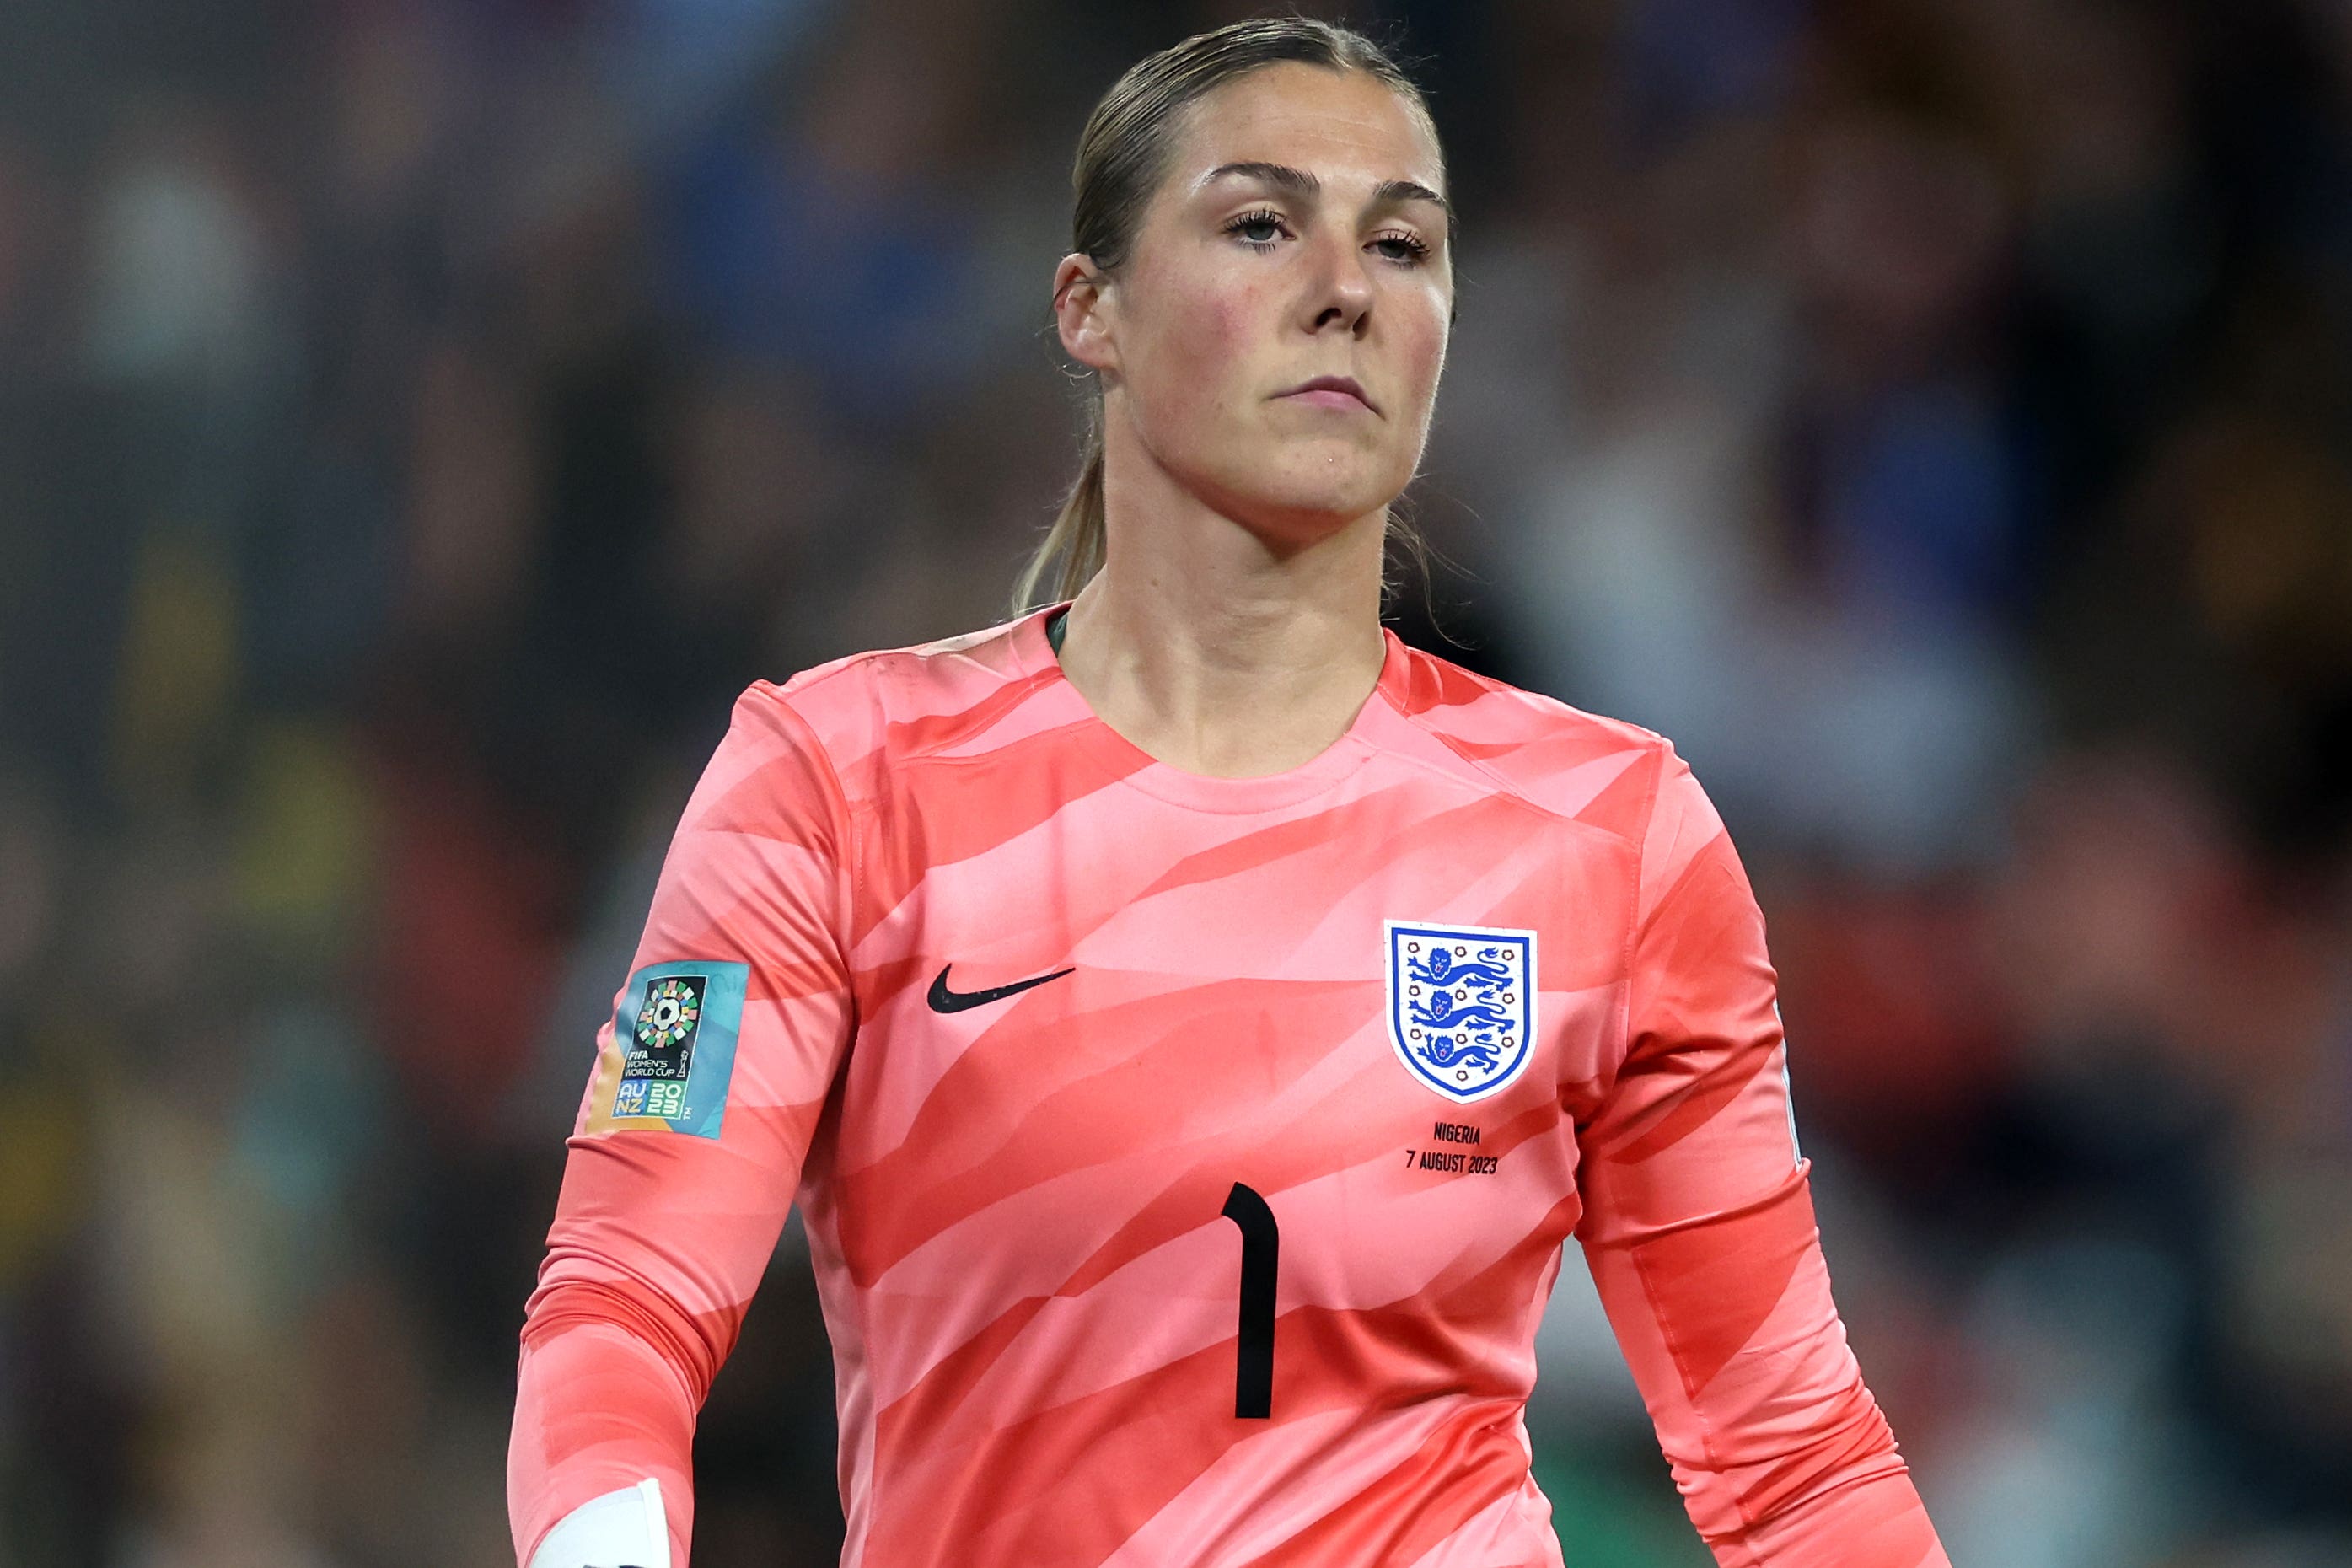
point(686, 1151)
point(1698, 1226)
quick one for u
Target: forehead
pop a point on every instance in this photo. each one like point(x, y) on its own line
point(1343, 126)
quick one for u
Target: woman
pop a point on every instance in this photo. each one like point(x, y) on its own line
point(1192, 1022)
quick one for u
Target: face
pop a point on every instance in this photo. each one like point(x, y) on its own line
point(1242, 285)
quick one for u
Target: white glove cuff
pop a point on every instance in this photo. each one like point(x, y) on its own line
point(625, 1529)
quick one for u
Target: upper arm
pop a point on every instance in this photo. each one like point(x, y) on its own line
point(724, 1043)
point(1698, 1219)
point(1697, 1120)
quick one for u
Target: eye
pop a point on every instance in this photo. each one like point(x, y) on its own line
point(1410, 250)
point(1262, 219)
point(1416, 250)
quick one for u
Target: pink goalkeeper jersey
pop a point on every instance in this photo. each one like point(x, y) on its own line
point(1186, 1161)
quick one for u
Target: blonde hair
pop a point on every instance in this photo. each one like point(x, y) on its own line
point(1123, 155)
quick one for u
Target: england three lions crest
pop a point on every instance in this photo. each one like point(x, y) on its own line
point(1462, 1004)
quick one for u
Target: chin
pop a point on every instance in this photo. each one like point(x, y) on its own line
point(1344, 493)
point(1301, 492)
point(1300, 516)
point(1326, 465)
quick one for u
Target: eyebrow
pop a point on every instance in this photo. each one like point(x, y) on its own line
point(1300, 182)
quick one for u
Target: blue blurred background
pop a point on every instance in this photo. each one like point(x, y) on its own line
point(418, 421)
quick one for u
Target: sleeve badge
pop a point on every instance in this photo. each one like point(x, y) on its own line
point(669, 1059)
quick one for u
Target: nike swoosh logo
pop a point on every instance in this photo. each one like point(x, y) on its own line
point(943, 1000)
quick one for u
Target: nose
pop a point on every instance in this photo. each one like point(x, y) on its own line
point(1343, 285)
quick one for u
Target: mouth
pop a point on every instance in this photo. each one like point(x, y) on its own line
point(1331, 392)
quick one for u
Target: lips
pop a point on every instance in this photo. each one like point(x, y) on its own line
point(1334, 383)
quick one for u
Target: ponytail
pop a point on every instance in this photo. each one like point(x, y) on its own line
point(1076, 539)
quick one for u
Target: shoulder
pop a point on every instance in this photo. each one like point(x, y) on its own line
point(906, 700)
point(1605, 773)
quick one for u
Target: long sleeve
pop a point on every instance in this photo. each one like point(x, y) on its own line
point(1699, 1229)
point(688, 1143)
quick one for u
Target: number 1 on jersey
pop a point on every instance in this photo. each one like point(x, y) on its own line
point(1254, 1355)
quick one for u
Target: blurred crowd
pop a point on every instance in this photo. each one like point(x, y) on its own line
point(421, 419)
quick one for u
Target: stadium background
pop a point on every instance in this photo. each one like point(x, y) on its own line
point(418, 421)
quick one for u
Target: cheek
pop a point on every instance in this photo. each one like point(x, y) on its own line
point(1422, 357)
point(1425, 349)
point(1207, 354)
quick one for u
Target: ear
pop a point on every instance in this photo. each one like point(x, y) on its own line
point(1083, 313)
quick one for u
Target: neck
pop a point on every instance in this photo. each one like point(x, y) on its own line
point(1216, 651)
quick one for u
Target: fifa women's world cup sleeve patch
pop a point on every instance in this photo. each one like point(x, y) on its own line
point(672, 1052)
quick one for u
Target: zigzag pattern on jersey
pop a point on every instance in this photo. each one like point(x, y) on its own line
point(1032, 1317)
